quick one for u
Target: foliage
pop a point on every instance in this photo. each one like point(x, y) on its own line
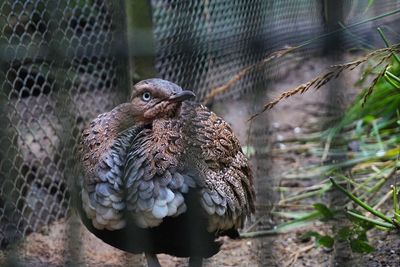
point(367, 137)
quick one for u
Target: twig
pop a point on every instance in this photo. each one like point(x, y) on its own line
point(259, 233)
point(251, 227)
point(383, 199)
point(297, 254)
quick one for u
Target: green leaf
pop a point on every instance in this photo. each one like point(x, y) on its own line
point(309, 234)
point(370, 3)
point(325, 241)
point(325, 211)
point(290, 214)
point(358, 221)
point(362, 235)
point(299, 222)
point(295, 224)
point(360, 246)
point(320, 240)
point(366, 222)
point(368, 118)
point(394, 82)
point(344, 233)
point(386, 41)
point(361, 203)
point(392, 76)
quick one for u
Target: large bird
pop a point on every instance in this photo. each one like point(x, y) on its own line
point(163, 174)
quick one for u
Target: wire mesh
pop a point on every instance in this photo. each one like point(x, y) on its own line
point(65, 61)
point(56, 66)
point(204, 45)
point(201, 45)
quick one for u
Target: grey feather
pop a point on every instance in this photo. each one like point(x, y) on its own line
point(103, 189)
point(207, 199)
point(216, 198)
point(145, 204)
point(176, 181)
point(165, 178)
point(118, 205)
point(145, 194)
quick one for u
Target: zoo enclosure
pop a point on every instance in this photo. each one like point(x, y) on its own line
point(65, 61)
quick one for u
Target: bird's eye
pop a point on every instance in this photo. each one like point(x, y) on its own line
point(146, 96)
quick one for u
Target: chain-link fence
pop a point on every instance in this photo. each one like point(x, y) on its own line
point(65, 61)
point(201, 45)
point(58, 70)
point(221, 50)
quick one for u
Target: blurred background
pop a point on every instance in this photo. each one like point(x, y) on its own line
point(63, 62)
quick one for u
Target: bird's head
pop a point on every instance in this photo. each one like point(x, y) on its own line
point(157, 98)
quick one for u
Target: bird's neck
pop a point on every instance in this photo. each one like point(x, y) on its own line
point(123, 118)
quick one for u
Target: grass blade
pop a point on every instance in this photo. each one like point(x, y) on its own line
point(385, 40)
point(361, 203)
point(376, 222)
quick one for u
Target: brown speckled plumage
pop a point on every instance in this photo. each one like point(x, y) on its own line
point(163, 175)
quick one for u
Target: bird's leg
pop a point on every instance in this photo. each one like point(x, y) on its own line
point(195, 261)
point(152, 260)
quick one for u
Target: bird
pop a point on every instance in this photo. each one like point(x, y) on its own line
point(163, 174)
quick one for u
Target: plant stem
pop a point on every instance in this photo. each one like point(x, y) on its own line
point(380, 223)
point(361, 203)
point(385, 40)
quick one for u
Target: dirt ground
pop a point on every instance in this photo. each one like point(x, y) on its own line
point(54, 247)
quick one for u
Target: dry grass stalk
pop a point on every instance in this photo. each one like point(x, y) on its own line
point(374, 82)
point(382, 55)
point(223, 88)
point(295, 255)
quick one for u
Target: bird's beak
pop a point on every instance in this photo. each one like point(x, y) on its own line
point(179, 97)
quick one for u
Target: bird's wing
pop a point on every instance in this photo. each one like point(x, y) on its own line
point(154, 180)
point(103, 152)
point(227, 192)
